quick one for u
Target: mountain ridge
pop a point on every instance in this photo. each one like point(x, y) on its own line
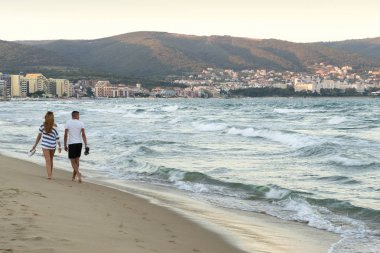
point(368, 47)
point(160, 54)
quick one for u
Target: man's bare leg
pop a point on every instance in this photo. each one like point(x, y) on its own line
point(78, 174)
point(75, 165)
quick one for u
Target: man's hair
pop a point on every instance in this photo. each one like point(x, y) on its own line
point(74, 113)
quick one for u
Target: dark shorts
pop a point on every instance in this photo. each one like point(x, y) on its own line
point(75, 150)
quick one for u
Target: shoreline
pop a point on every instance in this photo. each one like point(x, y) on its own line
point(65, 216)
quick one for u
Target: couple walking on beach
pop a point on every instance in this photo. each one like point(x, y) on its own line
point(74, 134)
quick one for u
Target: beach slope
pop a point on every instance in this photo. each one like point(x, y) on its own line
point(40, 215)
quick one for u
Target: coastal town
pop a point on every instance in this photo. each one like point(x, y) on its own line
point(208, 83)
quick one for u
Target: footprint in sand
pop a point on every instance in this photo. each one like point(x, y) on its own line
point(28, 219)
point(138, 240)
point(146, 219)
point(6, 250)
point(37, 238)
point(9, 193)
point(38, 194)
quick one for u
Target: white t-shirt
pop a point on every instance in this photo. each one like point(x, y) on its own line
point(74, 127)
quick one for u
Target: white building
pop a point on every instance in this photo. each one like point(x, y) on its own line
point(304, 87)
point(280, 85)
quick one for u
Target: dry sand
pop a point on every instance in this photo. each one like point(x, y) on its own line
point(40, 215)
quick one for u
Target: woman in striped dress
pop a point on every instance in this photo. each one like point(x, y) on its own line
point(49, 134)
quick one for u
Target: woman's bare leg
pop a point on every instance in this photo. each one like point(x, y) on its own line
point(48, 162)
point(52, 152)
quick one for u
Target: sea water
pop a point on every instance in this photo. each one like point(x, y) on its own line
point(312, 160)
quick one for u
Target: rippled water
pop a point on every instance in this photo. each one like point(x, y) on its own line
point(310, 160)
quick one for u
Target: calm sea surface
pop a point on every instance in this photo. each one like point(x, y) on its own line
point(315, 161)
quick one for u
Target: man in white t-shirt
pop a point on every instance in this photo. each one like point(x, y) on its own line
point(74, 133)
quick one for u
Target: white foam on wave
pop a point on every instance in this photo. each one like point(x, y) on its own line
point(3, 123)
point(336, 120)
point(107, 110)
point(170, 108)
point(248, 132)
point(355, 234)
point(142, 115)
point(290, 139)
point(291, 111)
point(209, 127)
point(192, 187)
point(276, 193)
point(322, 218)
point(175, 175)
point(135, 115)
point(304, 212)
point(349, 161)
point(175, 120)
point(354, 244)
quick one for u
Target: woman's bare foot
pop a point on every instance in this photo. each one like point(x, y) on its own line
point(79, 177)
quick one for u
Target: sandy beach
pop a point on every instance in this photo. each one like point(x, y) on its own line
point(40, 215)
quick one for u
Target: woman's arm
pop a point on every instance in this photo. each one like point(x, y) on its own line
point(37, 140)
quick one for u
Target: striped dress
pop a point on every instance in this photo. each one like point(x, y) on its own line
point(49, 140)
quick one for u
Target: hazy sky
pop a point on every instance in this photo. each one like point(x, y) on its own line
point(293, 20)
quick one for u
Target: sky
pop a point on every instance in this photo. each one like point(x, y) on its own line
point(291, 20)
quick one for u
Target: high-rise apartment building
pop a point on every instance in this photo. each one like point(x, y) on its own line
point(2, 88)
point(15, 86)
point(51, 88)
point(5, 85)
point(24, 87)
point(37, 82)
point(61, 87)
point(69, 90)
point(103, 89)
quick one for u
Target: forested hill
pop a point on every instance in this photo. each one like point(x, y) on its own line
point(15, 56)
point(151, 54)
point(366, 47)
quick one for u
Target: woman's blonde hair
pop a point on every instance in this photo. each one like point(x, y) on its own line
point(49, 122)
